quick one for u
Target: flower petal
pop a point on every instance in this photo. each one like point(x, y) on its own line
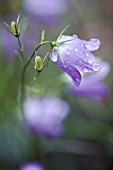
point(101, 74)
point(54, 56)
point(91, 85)
point(74, 73)
point(93, 44)
point(75, 56)
point(32, 166)
point(47, 119)
point(74, 53)
point(97, 91)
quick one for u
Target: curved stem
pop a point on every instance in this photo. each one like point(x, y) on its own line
point(21, 50)
point(24, 70)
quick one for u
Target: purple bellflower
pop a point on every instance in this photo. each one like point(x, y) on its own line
point(74, 56)
point(91, 85)
point(48, 7)
point(32, 166)
point(45, 115)
point(48, 11)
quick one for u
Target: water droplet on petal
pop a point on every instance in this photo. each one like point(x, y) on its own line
point(67, 52)
point(94, 40)
point(75, 36)
point(85, 70)
point(93, 44)
point(77, 81)
point(76, 49)
point(90, 61)
point(54, 56)
point(95, 66)
point(87, 54)
point(80, 61)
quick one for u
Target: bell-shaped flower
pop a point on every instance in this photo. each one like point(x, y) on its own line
point(45, 115)
point(92, 85)
point(32, 166)
point(75, 56)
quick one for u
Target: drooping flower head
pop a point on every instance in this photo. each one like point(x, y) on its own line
point(45, 115)
point(75, 56)
point(32, 166)
point(92, 85)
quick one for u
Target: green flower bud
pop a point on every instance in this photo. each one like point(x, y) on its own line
point(38, 63)
point(14, 29)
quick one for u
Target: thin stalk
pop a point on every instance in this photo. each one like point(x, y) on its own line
point(63, 31)
point(21, 50)
point(22, 92)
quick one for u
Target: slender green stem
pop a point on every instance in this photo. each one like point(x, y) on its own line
point(43, 36)
point(35, 78)
point(63, 31)
point(22, 92)
point(21, 50)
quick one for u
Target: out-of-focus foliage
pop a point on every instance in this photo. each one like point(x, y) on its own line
point(88, 139)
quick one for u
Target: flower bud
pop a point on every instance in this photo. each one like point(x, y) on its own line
point(38, 63)
point(14, 29)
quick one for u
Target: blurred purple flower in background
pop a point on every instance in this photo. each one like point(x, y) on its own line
point(32, 166)
point(9, 44)
point(91, 85)
point(47, 11)
point(45, 115)
point(75, 56)
point(29, 40)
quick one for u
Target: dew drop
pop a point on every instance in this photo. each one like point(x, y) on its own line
point(68, 52)
point(77, 82)
point(94, 40)
point(93, 44)
point(54, 56)
point(75, 36)
point(90, 48)
point(85, 70)
point(90, 61)
point(95, 66)
point(76, 49)
point(87, 54)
